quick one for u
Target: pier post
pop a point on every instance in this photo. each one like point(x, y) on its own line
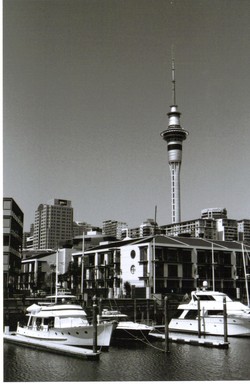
point(94, 325)
point(135, 310)
point(147, 311)
point(166, 324)
point(225, 319)
point(199, 317)
point(100, 310)
point(155, 310)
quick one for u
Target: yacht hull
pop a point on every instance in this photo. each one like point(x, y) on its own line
point(127, 334)
point(74, 336)
point(212, 326)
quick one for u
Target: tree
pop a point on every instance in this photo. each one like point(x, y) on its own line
point(127, 288)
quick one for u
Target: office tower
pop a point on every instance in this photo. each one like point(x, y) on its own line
point(12, 244)
point(174, 136)
point(53, 224)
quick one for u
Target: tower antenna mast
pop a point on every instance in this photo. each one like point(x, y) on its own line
point(173, 81)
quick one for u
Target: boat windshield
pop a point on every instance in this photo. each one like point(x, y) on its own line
point(70, 321)
point(61, 299)
point(191, 314)
point(204, 297)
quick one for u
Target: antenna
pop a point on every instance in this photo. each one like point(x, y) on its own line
point(173, 76)
point(173, 83)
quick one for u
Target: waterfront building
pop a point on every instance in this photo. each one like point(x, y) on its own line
point(174, 135)
point(158, 265)
point(38, 269)
point(12, 244)
point(113, 228)
point(153, 266)
point(91, 239)
point(53, 224)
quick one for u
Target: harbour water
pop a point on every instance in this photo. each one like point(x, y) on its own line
point(134, 362)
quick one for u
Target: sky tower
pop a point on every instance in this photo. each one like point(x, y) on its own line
point(174, 136)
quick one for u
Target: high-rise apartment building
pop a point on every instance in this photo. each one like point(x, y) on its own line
point(214, 213)
point(53, 224)
point(227, 229)
point(12, 243)
point(80, 227)
point(113, 228)
point(244, 230)
point(147, 228)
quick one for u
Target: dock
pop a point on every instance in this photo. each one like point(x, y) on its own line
point(192, 340)
point(61, 349)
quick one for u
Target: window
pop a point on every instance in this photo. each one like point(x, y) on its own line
point(187, 270)
point(143, 254)
point(172, 270)
point(132, 269)
point(6, 240)
point(132, 254)
point(172, 256)
point(7, 204)
point(6, 223)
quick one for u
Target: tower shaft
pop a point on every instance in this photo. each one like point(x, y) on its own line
point(175, 168)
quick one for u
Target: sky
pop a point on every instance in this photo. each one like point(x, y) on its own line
point(86, 92)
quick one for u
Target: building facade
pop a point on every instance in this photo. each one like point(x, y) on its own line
point(53, 224)
point(113, 228)
point(148, 228)
point(38, 270)
point(227, 229)
point(12, 244)
point(244, 230)
point(202, 228)
point(159, 265)
point(214, 213)
point(80, 227)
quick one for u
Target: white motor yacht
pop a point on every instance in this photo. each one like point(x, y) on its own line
point(212, 315)
point(125, 330)
point(65, 322)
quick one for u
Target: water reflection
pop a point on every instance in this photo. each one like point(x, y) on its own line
point(134, 363)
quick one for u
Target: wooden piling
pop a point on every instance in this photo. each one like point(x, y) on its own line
point(166, 325)
point(225, 319)
point(94, 325)
point(199, 318)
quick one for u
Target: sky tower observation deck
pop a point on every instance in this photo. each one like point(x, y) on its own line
point(174, 136)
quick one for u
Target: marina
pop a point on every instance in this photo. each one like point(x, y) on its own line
point(148, 355)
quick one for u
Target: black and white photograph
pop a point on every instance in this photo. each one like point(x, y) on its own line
point(126, 179)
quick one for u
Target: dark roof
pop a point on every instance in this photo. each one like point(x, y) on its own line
point(116, 244)
point(177, 241)
point(39, 255)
